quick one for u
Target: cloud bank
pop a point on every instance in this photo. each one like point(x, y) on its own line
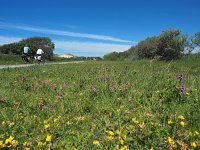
point(89, 48)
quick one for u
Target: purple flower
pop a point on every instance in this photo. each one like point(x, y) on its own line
point(180, 77)
point(60, 94)
point(54, 87)
point(47, 82)
point(32, 85)
point(102, 78)
point(129, 99)
point(23, 78)
point(39, 81)
point(108, 78)
point(182, 88)
point(65, 85)
point(92, 88)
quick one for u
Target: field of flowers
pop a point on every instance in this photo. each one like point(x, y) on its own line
point(101, 105)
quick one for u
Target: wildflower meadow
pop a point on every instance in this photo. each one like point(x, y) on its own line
point(101, 105)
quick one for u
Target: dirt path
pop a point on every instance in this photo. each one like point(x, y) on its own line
point(28, 65)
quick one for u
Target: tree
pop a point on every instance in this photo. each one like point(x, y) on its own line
point(34, 43)
point(195, 42)
point(40, 42)
point(111, 56)
point(147, 48)
point(171, 44)
point(196, 39)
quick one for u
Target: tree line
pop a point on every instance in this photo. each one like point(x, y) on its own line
point(34, 43)
point(171, 44)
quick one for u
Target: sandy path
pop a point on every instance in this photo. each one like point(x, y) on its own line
point(28, 65)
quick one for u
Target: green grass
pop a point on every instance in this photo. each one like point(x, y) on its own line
point(105, 105)
point(10, 59)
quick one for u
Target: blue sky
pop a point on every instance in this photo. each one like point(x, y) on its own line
point(95, 27)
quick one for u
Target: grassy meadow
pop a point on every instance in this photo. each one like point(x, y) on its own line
point(101, 105)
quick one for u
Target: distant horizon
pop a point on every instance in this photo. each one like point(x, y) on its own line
point(95, 28)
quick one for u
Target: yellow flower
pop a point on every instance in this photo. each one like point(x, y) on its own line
point(40, 144)
point(118, 110)
point(127, 111)
point(196, 132)
point(81, 118)
point(3, 123)
point(11, 124)
point(187, 93)
point(124, 136)
point(96, 142)
point(45, 122)
point(135, 120)
point(68, 123)
point(170, 140)
point(118, 99)
point(152, 123)
point(121, 142)
point(157, 91)
point(151, 148)
point(110, 138)
point(110, 132)
point(55, 120)
point(142, 125)
point(124, 148)
point(46, 126)
point(9, 140)
point(27, 148)
point(2, 145)
point(193, 144)
point(169, 122)
point(81, 94)
point(190, 133)
point(14, 143)
point(149, 115)
point(182, 123)
point(181, 117)
point(48, 138)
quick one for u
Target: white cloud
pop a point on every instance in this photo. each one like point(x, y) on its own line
point(7, 40)
point(88, 48)
point(64, 33)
